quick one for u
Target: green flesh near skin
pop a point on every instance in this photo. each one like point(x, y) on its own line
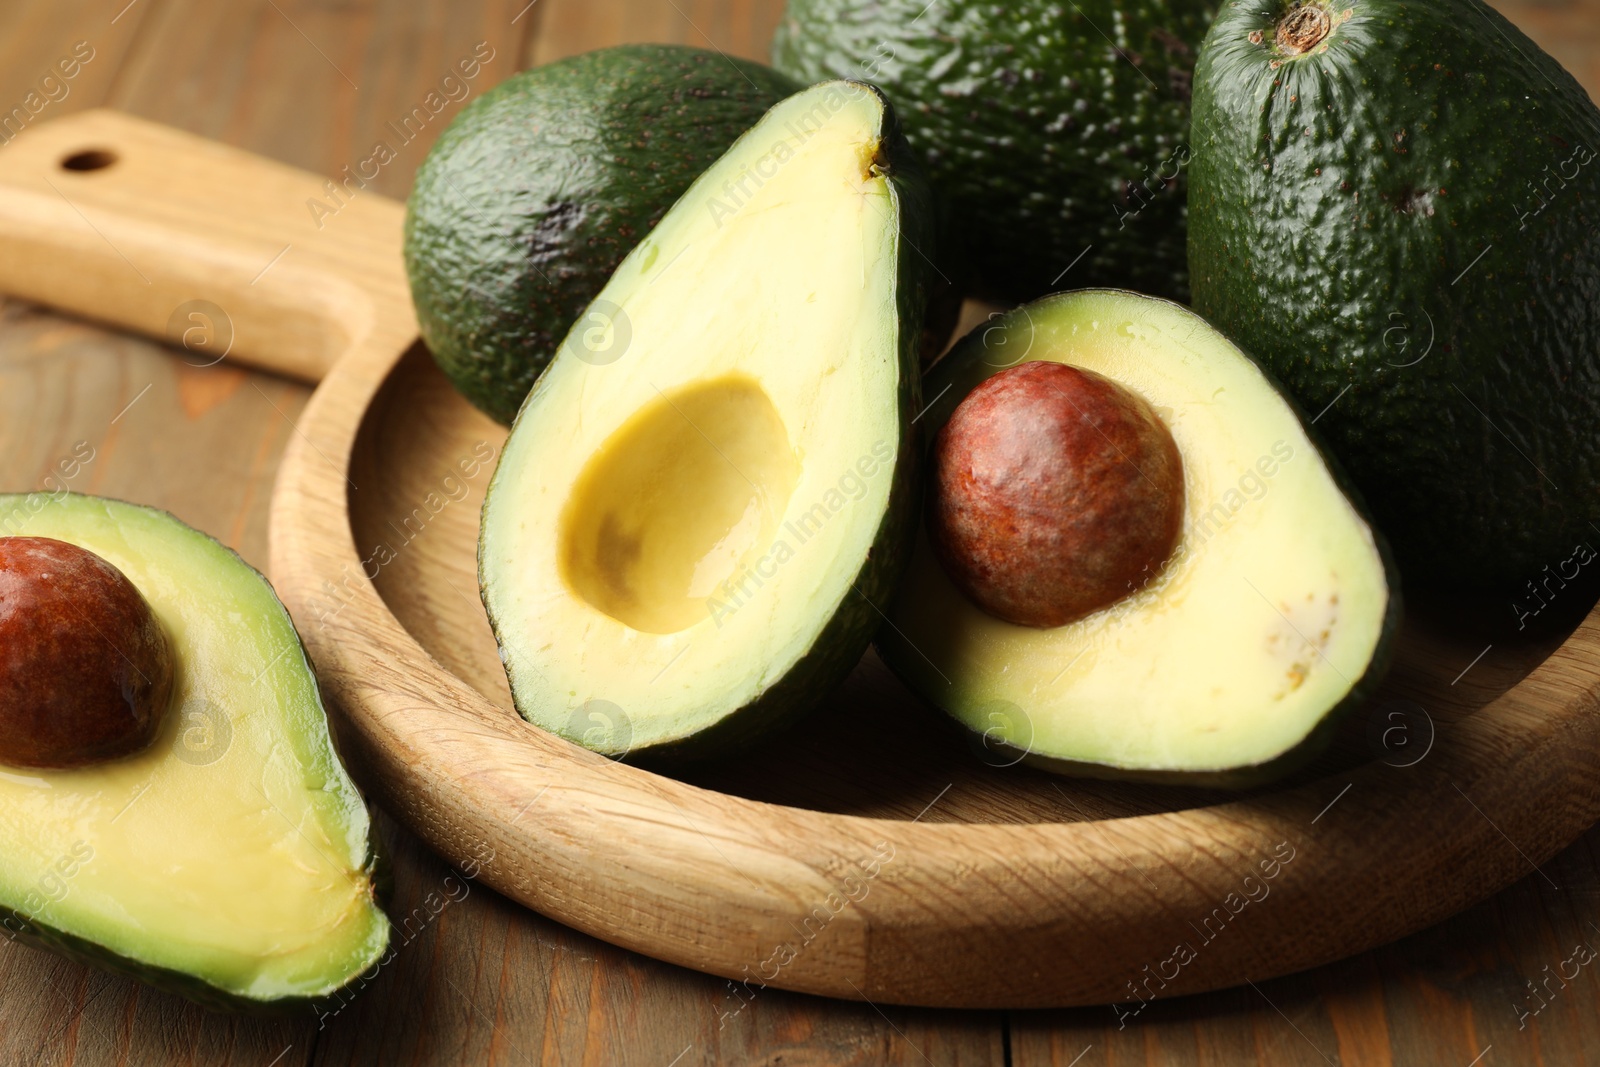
point(230, 862)
point(1056, 145)
point(539, 188)
point(704, 503)
point(1275, 609)
point(1402, 222)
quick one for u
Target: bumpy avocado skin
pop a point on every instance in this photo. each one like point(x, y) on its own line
point(1055, 130)
point(1403, 223)
point(538, 189)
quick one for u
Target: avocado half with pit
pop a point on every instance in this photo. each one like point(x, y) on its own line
point(1224, 659)
point(704, 503)
point(231, 860)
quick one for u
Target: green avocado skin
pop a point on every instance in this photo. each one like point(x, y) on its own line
point(538, 189)
point(1403, 224)
point(1049, 139)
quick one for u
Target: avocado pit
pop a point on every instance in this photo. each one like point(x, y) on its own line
point(1056, 493)
point(85, 668)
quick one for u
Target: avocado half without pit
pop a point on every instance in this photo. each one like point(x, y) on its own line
point(171, 805)
point(706, 499)
point(1135, 562)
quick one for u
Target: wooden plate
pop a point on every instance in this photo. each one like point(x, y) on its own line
point(870, 853)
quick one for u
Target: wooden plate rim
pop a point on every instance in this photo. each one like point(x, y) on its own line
point(961, 915)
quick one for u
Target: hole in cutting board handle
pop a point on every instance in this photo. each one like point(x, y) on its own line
point(89, 159)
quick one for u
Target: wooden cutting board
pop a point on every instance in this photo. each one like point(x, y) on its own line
point(871, 853)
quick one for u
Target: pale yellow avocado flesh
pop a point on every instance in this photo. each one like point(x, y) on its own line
point(695, 481)
point(235, 849)
point(673, 501)
point(1269, 613)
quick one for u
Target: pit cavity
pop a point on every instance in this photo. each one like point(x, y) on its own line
point(675, 501)
point(1303, 29)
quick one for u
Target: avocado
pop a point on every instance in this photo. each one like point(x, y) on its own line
point(538, 189)
point(231, 861)
point(688, 541)
point(1224, 663)
point(1396, 207)
point(1056, 131)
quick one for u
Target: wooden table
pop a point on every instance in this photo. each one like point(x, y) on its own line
point(314, 82)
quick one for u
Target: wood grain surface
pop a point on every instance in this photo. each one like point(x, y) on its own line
point(480, 980)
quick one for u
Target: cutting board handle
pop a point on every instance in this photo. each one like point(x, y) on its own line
point(224, 253)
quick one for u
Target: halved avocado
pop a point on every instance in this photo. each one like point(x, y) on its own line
point(231, 862)
point(1275, 610)
point(705, 502)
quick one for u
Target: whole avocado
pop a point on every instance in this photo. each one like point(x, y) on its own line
point(1056, 131)
point(1395, 206)
point(539, 188)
